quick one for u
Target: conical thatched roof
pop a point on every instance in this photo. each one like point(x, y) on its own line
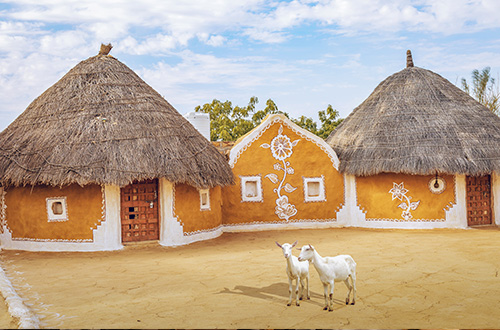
point(101, 123)
point(417, 122)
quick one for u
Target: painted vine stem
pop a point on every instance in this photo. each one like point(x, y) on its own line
point(282, 148)
point(399, 191)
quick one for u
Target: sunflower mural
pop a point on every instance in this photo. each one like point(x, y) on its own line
point(282, 148)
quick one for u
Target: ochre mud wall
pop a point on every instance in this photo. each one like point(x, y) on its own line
point(190, 215)
point(280, 151)
point(387, 196)
point(27, 216)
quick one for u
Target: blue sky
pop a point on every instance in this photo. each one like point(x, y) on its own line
point(303, 54)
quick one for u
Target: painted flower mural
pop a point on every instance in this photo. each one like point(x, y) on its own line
point(282, 148)
point(398, 191)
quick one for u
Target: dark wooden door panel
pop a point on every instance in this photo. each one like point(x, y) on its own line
point(139, 211)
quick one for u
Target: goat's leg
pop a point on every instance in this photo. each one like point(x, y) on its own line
point(290, 292)
point(301, 288)
point(353, 279)
point(297, 282)
point(330, 302)
point(307, 282)
point(325, 287)
point(349, 287)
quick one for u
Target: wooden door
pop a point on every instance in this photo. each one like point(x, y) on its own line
point(139, 211)
point(478, 200)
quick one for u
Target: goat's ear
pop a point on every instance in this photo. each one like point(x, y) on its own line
point(294, 243)
point(278, 244)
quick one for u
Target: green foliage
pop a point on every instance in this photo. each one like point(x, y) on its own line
point(484, 89)
point(228, 123)
point(329, 119)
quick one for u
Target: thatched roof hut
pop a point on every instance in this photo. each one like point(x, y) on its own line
point(417, 122)
point(102, 124)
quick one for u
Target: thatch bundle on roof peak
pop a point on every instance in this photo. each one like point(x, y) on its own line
point(101, 123)
point(417, 122)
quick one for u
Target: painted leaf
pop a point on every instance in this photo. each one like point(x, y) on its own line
point(294, 143)
point(280, 130)
point(273, 177)
point(403, 205)
point(265, 145)
point(414, 205)
point(289, 188)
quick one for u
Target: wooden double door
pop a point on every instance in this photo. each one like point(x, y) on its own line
point(478, 200)
point(139, 211)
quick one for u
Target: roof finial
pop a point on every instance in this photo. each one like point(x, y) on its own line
point(105, 49)
point(409, 59)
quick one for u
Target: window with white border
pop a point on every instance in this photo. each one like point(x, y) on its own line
point(251, 188)
point(314, 189)
point(204, 199)
point(57, 209)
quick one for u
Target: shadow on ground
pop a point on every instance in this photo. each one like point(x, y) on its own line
point(277, 292)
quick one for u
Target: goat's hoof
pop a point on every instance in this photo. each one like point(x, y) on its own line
point(347, 302)
point(298, 304)
point(353, 303)
point(289, 304)
point(330, 309)
point(300, 298)
point(325, 308)
point(308, 298)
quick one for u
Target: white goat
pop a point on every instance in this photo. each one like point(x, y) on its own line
point(331, 270)
point(295, 270)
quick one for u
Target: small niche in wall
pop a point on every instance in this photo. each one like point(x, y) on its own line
point(314, 189)
point(251, 189)
point(204, 199)
point(57, 209)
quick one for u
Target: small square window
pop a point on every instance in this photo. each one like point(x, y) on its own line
point(314, 189)
point(204, 199)
point(251, 189)
point(57, 209)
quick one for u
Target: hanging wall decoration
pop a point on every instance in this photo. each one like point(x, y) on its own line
point(281, 149)
point(398, 191)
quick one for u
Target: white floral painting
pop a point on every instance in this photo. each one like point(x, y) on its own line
point(399, 191)
point(282, 148)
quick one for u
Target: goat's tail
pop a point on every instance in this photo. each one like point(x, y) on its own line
point(352, 264)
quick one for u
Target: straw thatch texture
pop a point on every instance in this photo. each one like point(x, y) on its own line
point(417, 122)
point(101, 123)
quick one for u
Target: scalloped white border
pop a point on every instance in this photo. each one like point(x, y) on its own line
point(257, 132)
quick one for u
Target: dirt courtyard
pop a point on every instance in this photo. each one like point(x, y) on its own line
point(406, 279)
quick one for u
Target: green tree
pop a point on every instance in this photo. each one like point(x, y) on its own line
point(228, 123)
point(484, 89)
point(307, 123)
point(329, 119)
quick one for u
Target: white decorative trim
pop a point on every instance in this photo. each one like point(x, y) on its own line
point(437, 185)
point(3, 210)
point(257, 132)
point(322, 194)
point(25, 317)
point(259, 198)
point(51, 216)
point(205, 207)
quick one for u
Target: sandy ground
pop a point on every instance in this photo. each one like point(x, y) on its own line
point(6, 322)
point(406, 279)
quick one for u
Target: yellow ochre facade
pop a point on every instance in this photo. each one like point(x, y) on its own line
point(45, 213)
point(405, 198)
point(284, 174)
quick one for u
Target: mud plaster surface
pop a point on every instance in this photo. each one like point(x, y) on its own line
point(406, 279)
